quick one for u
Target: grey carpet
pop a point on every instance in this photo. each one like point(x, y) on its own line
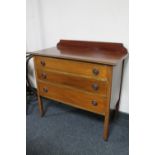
point(68, 131)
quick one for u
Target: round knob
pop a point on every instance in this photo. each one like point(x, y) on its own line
point(45, 90)
point(42, 63)
point(95, 86)
point(95, 71)
point(43, 75)
point(94, 102)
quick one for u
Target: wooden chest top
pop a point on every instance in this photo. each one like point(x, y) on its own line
point(88, 51)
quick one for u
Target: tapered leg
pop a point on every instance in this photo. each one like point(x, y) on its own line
point(117, 108)
point(114, 113)
point(106, 127)
point(40, 105)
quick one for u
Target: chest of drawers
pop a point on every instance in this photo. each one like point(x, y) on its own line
point(82, 74)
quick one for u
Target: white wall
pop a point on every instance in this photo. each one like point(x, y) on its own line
point(98, 20)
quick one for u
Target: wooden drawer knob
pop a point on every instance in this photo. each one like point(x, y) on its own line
point(95, 86)
point(45, 90)
point(94, 102)
point(95, 71)
point(42, 63)
point(43, 75)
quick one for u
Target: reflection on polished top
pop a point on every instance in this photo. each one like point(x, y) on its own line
point(98, 52)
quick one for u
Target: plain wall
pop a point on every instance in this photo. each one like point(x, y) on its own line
point(48, 21)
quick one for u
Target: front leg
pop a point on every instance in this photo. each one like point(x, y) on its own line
point(40, 105)
point(106, 127)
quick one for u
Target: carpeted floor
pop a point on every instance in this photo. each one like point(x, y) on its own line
point(68, 131)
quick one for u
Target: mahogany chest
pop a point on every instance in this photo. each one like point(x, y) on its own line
point(82, 74)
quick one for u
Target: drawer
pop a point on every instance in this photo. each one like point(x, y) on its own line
point(86, 84)
point(70, 66)
point(73, 97)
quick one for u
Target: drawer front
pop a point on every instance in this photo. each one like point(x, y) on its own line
point(74, 97)
point(70, 66)
point(72, 80)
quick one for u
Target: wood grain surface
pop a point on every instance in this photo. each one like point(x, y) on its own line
point(98, 52)
point(73, 97)
point(70, 66)
point(80, 82)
